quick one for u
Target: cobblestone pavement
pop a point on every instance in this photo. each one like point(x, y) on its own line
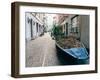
point(41, 52)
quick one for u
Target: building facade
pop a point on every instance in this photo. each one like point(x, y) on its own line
point(77, 25)
point(34, 25)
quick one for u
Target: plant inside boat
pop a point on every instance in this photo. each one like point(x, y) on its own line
point(65, 41)
point(69, 42)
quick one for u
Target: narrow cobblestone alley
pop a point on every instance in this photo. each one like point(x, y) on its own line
point(41, 52)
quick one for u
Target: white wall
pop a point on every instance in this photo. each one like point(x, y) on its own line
point(27, 27)
point(85, 30)
point(31, 30)
point(5, 41)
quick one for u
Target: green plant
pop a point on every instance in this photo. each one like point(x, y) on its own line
point(57, 32)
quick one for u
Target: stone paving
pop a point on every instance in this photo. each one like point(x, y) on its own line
point(41, 52)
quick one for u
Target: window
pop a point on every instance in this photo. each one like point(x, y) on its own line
point(75, 29)
point(75, 24)
point(37, 26)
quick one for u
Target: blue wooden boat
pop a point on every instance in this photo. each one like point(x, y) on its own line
point(79, 53)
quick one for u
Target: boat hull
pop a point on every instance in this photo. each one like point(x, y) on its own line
point(68, 57)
